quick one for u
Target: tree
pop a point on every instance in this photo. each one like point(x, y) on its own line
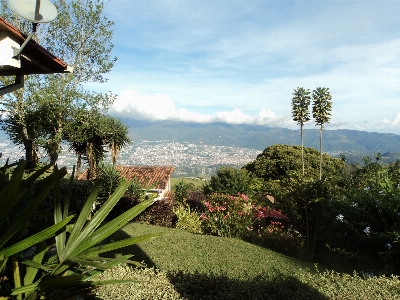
point(278, 161)
point(86, 135)
point(229, 180)
point(321, 109)
point(117, 137)
point(90, 132)
point(81, 36)
point(300, 113)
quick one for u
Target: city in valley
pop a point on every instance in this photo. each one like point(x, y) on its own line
point(187, 158)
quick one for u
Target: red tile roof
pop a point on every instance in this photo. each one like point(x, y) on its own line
point(154, 177)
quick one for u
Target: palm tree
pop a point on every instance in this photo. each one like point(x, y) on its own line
point(321, 110)
point(300, 113)
point(116, 137)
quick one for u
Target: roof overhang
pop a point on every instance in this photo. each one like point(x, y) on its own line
point(34, 59)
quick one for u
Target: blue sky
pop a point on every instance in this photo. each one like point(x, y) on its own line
point(239, 61)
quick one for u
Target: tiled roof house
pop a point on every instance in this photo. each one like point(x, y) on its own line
point(153, 178)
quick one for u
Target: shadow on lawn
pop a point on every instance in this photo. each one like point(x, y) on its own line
point(216, 286)
point(277, 286)
point(138, 254)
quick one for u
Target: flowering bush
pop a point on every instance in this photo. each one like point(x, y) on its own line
point(227, 216)
point(282, 239)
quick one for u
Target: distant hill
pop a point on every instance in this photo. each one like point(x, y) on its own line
point(260, 137)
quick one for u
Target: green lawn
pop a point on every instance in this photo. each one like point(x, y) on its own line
point(182, 265)
point(197, 183)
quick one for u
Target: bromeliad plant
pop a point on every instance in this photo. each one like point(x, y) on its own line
point(59, 261)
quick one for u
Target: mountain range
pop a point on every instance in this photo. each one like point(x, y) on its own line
point(259, 137)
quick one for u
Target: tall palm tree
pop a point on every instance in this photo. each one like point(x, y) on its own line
point(300, 112)
point(321, 110)
point(116, 137)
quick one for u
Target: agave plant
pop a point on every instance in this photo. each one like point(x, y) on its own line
point(36, 265)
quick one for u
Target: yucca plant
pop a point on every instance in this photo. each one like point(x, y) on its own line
point(37, 265)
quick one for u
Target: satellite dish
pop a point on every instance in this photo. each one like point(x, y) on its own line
point(36, 11)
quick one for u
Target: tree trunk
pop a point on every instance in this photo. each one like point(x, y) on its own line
point(78, 164)
point(315, 236)
point(320, 153)
point(29, 156)
point(53, 144)
point(307, 229)
point(302, 146)
point(91, 161)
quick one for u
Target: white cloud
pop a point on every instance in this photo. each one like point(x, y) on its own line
point(132, 105)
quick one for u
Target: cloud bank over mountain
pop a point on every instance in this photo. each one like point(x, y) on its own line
point(132, 105)
point(160, 107)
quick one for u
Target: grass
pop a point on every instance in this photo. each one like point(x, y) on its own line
point(182, 265)
point(197, 183)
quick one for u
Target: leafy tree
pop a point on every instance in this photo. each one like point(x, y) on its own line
point(321, 110)
point(86, 135)
point(81, 36)
point(300, 112)
point(229, 180)
point(278, 161)
point(90, 132)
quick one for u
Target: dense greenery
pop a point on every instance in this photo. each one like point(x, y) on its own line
point(282, 161)
point(229, 180)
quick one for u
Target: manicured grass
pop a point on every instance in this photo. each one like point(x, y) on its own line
point(197, 183)
point(189, 266)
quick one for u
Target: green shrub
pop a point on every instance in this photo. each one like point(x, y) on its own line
point(181, 191)
point(187, 220)
point(161, 213)
point(110, 179)
point(280, 238)
point(80, 190)
point(353, 287)
point(229, 180)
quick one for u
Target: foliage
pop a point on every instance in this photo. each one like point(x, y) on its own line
point(187, 219)
point(59, 96)
point(78, 193)
point(300, 112)
point(88, 134)
point(281, 238)
point(32, 263)
point(109, 179)
point(207, 267)
point(116, 137)
point(181, 191)
point(160, 214)
point(362, 221)
point(136, 190)
point(230, 181)
point(277, 162)
point(227, 216)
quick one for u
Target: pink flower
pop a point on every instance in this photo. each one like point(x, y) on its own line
point(240, 213)
point(203, 216)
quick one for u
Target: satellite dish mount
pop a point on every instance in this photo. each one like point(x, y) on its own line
point(36, 11)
